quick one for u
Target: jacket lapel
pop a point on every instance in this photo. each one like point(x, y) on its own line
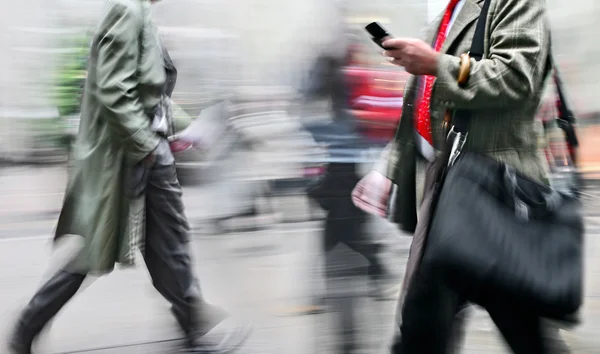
point(432, 29)
point(467, 15)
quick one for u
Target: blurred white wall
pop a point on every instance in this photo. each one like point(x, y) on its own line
point(575, 32)
point(262, 40)
point(25, 62)
point(220, 43)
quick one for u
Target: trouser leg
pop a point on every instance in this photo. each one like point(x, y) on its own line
point(427, 319)
point(553, 339)
point(429, 323)
point(167, 253)
point(369, 248)
point(330, 235)
point(458, 330)
point(350, 230)
point(348, 222)
point(521, 328)
point(44, 305)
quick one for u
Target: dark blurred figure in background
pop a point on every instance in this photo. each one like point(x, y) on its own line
point(123, 176)
point(345, 223)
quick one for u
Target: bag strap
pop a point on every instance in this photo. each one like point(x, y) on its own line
point(565, 119)
point(477, 49)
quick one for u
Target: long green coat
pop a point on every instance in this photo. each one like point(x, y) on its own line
point(126, 79)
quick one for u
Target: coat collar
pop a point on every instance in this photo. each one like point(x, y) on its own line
point(468, 14)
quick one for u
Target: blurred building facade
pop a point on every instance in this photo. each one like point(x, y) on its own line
point(221, 44)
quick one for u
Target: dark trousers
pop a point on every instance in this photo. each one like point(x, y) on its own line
point(350, 233)
point(428, 319)
point(167, 256)
point(345, 223)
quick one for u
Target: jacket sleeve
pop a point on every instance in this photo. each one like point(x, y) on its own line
point(382, 164)
point(514, 67)
point(171, 72)
point(118, 52)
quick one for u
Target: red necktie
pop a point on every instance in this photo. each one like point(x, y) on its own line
point(423, 121)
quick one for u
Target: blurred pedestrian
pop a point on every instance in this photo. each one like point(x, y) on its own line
point(123, 193)
point(345, 223)
point(503, 92)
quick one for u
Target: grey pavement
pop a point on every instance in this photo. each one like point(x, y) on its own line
point(257, 274)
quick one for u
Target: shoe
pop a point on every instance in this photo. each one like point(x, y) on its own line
point(48, 300)
point(226, 337)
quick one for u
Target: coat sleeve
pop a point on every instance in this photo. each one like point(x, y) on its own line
point(118, 52)
point(171, 72)
point(514, 67)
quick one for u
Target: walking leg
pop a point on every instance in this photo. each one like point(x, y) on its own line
point(167, 256)
point(44, 305)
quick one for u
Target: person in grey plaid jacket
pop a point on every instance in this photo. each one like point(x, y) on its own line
point(503, 92)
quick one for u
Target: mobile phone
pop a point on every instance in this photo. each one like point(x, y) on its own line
point(378, 33)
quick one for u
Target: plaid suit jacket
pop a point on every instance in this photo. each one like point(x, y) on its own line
point(503, 92)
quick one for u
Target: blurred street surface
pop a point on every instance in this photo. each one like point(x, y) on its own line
point(260, 274)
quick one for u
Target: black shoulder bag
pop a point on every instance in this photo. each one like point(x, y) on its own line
point(495, 232)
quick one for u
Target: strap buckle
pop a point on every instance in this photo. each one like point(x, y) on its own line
point(458, 140)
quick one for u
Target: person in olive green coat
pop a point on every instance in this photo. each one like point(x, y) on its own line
point(123, 193)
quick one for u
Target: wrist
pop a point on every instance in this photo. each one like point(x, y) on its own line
point(436, 64)
point(448, 68)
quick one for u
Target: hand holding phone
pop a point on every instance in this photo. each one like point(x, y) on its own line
point(416, 56)
point(378, 34)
